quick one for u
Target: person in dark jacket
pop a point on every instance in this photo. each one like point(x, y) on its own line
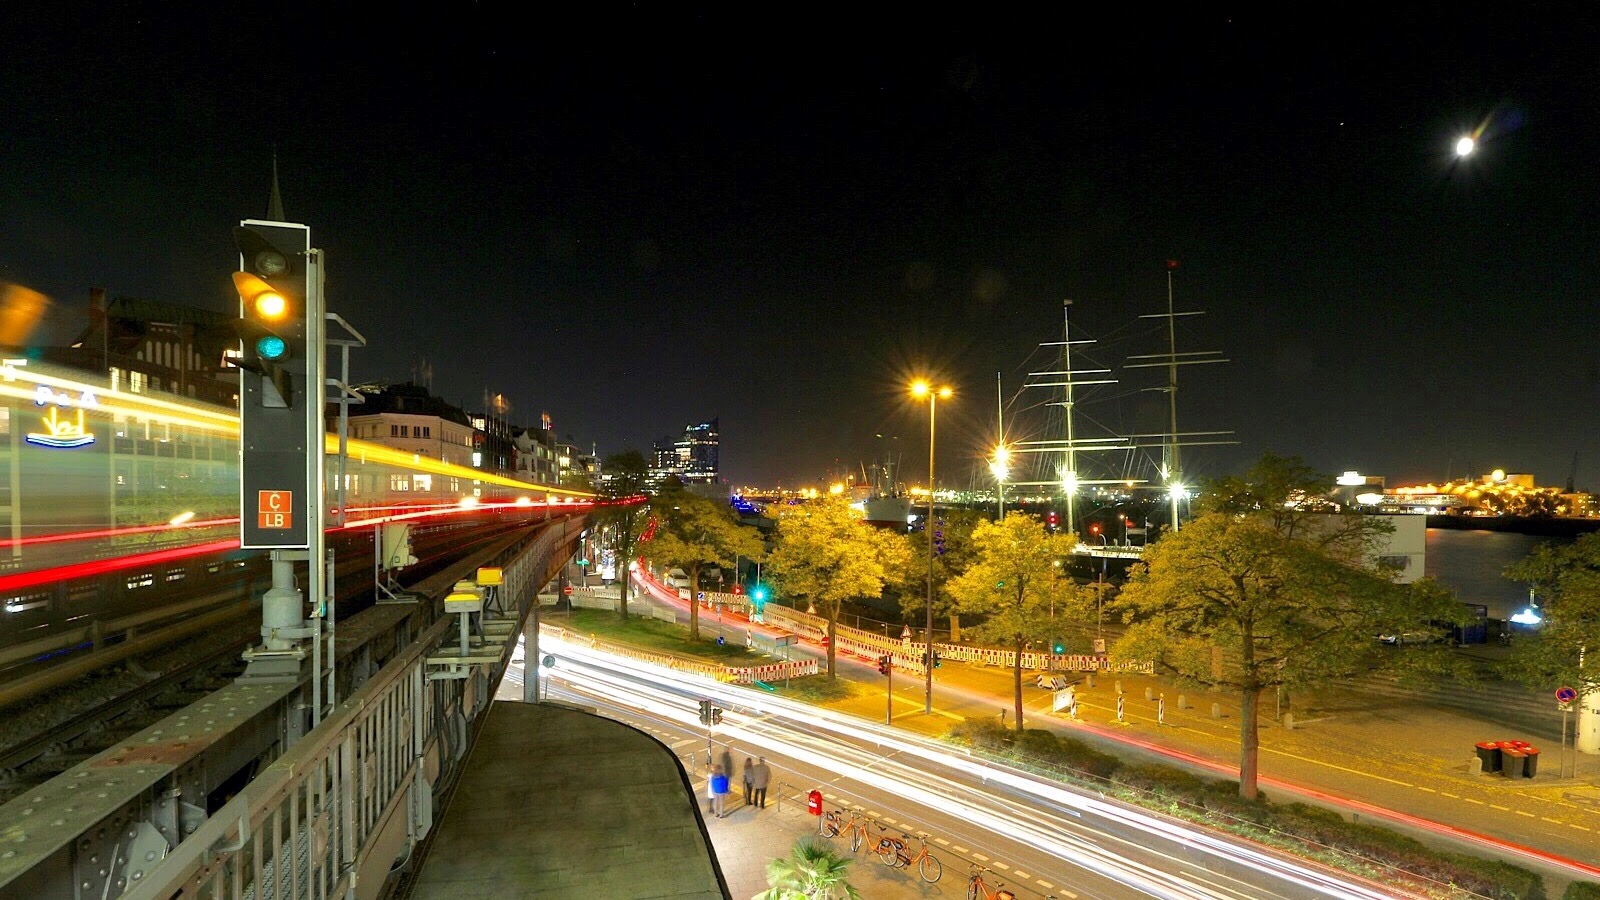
point(759, 779)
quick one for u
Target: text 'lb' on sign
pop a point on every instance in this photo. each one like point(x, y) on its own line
point(273, 509)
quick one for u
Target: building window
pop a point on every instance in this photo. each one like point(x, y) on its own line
point(427, 431)
point(394, 431)
point(399, 482)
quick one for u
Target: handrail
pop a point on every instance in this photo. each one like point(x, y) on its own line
point(308, 822)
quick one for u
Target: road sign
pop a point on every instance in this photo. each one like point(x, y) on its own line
point(1566, 694)
point(275, 509)
point(567, 590)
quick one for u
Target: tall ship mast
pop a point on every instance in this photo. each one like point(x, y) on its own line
point(1172, 439)
point(1068, 380)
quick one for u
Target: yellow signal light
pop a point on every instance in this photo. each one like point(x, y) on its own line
point(263, 298)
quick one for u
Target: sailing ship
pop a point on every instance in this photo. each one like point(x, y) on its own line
point(882, 501)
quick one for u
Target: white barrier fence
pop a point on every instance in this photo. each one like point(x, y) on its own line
point(909, 654)
point(726, 674)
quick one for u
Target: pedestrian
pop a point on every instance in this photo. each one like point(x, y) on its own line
point(761, 777)
point(719, 792)
point(1161, 710)
point(711, 791)
point(726, 761)
point(749, 780)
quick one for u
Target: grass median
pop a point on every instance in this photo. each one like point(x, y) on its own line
point(647, 633)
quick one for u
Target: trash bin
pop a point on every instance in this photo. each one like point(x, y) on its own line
point(1513, 763)
point(1533, 762)
point(1489, 755)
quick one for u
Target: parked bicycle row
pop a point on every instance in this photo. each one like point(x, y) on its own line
point(895, 852)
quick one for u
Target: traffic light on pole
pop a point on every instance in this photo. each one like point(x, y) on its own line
point(272, 315)
point(1058, 646)
point(705, 712)
point(883, 665)
point(280, 384)
point(716, 715)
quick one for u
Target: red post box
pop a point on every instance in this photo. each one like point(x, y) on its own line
point(814, 803)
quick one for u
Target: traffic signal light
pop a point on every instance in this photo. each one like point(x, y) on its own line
point(759, 594)
point(280, 384)
point(883, 665)
point(1094, 529)
point(716, 715)
point(1058, 646)
point(1053, 520)
point(705, 712)
point(936, 660)
point(272, 313)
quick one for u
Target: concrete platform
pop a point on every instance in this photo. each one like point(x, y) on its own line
point(559, 803)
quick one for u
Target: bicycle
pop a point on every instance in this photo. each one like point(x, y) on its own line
point(978, 889)
point(892, 853)
point(856, 826)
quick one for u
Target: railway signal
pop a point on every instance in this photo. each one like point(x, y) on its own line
point(280, 384)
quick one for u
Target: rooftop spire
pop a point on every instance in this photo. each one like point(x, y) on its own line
point(275, 202)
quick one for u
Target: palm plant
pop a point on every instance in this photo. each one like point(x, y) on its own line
point(811, 871)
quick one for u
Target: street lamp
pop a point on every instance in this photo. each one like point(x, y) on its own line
point(920, 389)
point(1002, 455)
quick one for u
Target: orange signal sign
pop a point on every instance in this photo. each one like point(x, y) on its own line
point(273, 509)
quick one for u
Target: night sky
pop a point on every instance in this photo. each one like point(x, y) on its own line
point(639, 217)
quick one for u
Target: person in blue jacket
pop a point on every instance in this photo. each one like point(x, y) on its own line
point(719, 792)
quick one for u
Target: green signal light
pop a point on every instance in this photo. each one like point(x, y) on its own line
point(271, 347)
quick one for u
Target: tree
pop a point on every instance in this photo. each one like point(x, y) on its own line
point(958, 554)
point(1260, 593)
point(811, 871)
point(695, 534)
point(826, 554)
point(1566, 578)
point(622, 484)
point(1015, 585)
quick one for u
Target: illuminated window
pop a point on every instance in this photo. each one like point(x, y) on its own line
point(422, 482)
point(399, 482)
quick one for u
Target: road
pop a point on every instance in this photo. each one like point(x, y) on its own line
point(1035, 834)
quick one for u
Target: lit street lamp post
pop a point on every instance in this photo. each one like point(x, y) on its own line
point(1000, 470)
point(920, 389)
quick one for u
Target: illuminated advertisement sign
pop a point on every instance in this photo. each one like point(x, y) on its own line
point(63, 423)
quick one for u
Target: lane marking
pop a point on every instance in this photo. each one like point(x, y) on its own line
point(1481, 803)
point(1330, 765)
point(1001, 866)
point(1428, 789)
point(1044, 884)
point(941, 842)
point(1499, 807)
point(1448, 794)
point(1551, 821)
point(980, 857)
point(957, 848)
point(1521, 813)
point(1580, 827)
point(1021, 874)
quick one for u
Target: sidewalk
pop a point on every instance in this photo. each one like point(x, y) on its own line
point(749, 838)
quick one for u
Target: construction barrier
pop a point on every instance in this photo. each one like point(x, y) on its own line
point(726, 674)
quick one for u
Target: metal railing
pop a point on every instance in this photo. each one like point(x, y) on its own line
point(309, 825)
